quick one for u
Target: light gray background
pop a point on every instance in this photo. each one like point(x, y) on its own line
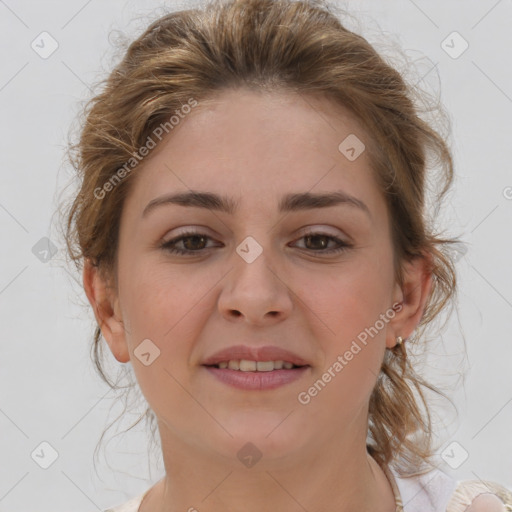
point(49, 391)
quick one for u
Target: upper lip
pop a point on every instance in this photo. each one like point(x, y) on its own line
point(265, 353)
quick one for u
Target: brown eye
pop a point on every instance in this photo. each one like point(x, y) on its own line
point(192, 243)
point(196, 243)
point(317, 242)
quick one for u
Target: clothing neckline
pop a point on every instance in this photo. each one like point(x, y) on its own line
point(144, 496)
point(394, 486)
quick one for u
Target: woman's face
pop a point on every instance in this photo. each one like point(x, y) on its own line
point(266, 273)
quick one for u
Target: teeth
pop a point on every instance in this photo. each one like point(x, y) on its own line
point(245, 365)
point(265, 366)
point(248, 366)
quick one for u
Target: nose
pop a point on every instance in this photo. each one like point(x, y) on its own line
point(255, 292)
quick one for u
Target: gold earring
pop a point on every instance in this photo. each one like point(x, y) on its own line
point(399, 340)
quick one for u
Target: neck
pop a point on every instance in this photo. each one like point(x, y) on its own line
point(343, 479)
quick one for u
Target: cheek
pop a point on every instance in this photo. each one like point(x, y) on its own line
point(169, 306)
point(352, 339)
point(156, 297)
point(352, 304)
point(160, 310)
point(352, 299)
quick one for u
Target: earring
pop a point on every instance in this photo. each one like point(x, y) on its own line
point(399, 340)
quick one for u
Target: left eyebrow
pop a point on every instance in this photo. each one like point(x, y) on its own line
point(289, 203)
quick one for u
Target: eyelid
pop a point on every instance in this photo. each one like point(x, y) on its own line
point(190, 231)
point(170, 245)
point(316, 229)
point(320, 228)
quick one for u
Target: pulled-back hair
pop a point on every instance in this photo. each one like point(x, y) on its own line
point(286, 46)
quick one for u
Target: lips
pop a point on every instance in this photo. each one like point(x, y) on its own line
point(265, 353)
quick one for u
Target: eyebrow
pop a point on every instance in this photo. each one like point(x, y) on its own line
point(289, 203)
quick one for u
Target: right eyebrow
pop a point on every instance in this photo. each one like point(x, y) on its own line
point(289, 203)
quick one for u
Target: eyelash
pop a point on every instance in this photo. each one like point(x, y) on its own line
point(169, 246)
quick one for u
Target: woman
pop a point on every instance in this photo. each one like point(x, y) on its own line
point(254, 242)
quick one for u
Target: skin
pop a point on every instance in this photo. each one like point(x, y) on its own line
point(486, 503)
point(256, 147)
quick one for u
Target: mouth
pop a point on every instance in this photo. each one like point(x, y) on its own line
point(246, 365)
point(251, 367)
point(251, 375)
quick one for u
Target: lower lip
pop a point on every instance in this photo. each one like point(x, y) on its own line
point(257, 380)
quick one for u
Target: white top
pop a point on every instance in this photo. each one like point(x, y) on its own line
point(434, 491)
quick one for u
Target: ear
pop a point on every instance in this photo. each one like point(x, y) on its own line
point(411, 298)
point(105, 304)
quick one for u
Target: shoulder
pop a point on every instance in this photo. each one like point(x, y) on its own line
point(480, 496)
point(427, 492)
point(436, 491)
point(130, 506)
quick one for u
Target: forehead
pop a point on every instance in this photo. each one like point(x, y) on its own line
point(251, 120)
point(259, 144)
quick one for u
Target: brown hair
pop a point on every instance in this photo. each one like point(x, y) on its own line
point(287, 45)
